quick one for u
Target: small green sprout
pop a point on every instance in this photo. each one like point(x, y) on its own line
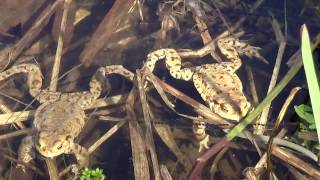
point(305, 113)
point(92, 174)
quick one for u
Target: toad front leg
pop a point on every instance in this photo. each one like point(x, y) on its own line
point(82, 156)
point(174, 65)
point(34, 81)
point(26, 151)
point(34, 76)
point(97, 83)
point(100, 76)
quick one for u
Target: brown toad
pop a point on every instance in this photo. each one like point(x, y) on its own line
point(60, 117)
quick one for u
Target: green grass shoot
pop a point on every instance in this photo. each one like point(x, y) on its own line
point(305, 112)
point(310, 69)
point(92, 174)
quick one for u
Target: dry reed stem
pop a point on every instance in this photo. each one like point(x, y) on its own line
point(165, 174)
point(241, 20)
point(259, 129)
point(253, 90)
point(207, 49)
point(199, 16)
point(30, 35)
point(57, 60)
point(5, 109)
point(106, 136)
point(147, 119)
point(14, 117)
point(201, 109)
point(110, 119)
point(266, 156)
point(15, 133)
point(28, 165)
point(104, 30)
point(206, 37)
point(51, 163)
point(52, 168)
point(214, 165)
point(298, 163)
point(138, 143)
point(65, 171)
point(278, 122)
point(23, 115)
point(168, 137)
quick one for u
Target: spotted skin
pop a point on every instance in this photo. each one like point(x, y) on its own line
point(218, 84)
point(60, 117)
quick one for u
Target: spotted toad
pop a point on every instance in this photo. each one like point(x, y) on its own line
point(60, 117)
point(218, 84)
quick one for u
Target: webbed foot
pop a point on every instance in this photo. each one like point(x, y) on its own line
point(199, 130)
point(82, 155)
point(203, 144)
point(26, 152)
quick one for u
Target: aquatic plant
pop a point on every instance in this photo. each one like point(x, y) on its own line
point(311, 75)
point(92, 174)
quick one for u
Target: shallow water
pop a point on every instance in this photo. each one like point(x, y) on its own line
point(129, 45)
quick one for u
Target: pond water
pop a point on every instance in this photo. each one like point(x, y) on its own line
point(124, 33)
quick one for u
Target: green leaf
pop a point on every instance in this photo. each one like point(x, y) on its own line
point(305, 112)
point(317, 146)
point(92, 174)
point(305, 108)
point(303, 127)
point(311, 75)
point(312, 126)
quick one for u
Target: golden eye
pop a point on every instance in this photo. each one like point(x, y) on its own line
point(246, 105)
point(68, 138)
point(224, 108)
point(59, 146)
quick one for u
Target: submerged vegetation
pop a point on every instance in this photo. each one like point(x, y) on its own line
point(92, 174)
point(305, 113)
point(159, 89)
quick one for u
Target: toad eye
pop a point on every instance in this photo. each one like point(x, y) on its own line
point(68, 138)
point(224, 107)
point(59, 146)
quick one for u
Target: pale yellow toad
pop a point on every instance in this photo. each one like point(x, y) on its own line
point(218, 84)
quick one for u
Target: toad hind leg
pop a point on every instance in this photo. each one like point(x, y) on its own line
point(34, 76)
point(96, 84)
point(174, 65)
point(34, 81)
point(26, 152)
point(172, 61)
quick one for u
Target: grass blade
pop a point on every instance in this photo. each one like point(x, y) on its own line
point(311, 75)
